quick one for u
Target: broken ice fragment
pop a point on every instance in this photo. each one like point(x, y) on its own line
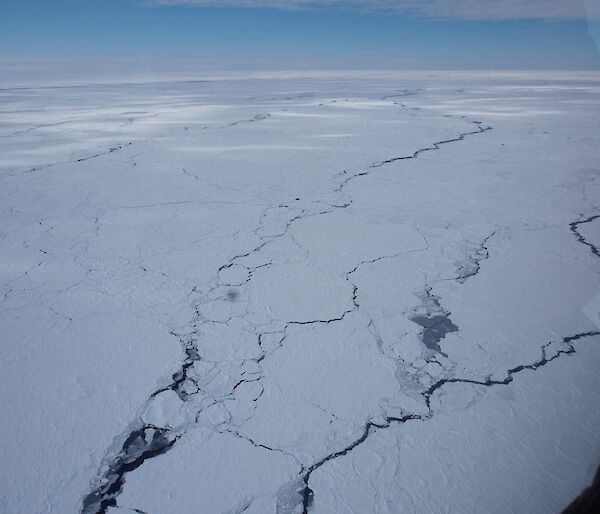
point(164, 410)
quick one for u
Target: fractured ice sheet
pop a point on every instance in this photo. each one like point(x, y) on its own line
point(319, 293)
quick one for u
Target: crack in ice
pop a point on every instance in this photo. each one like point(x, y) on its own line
point(573, 226)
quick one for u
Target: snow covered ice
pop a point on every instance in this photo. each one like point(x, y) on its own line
point(324, 292)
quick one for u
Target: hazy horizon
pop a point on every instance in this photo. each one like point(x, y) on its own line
point(515, 34)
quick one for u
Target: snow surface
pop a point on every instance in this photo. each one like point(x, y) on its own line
point(321, 292)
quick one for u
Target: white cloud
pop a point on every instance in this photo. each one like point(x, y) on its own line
point(457, 9)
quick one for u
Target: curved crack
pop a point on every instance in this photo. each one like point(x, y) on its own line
point(414, 155)
point(513, 371)
point(436, 145)
point(371, 426)
point(471, 268)
point(573, 226)
point(110, 150)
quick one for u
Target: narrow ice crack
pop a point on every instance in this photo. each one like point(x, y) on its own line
point(258, 117)
point(263, 446)
point(472, 268)
point(435, 146)
point(110, 150)
point(573, 226)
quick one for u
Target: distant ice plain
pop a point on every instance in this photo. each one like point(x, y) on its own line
point(277, 233)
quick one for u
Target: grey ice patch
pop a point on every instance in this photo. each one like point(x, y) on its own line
point(232, 295)
point(434, 319)
point(290, 498)
point(435, 329)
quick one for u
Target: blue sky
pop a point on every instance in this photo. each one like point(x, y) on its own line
point(435, 33)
